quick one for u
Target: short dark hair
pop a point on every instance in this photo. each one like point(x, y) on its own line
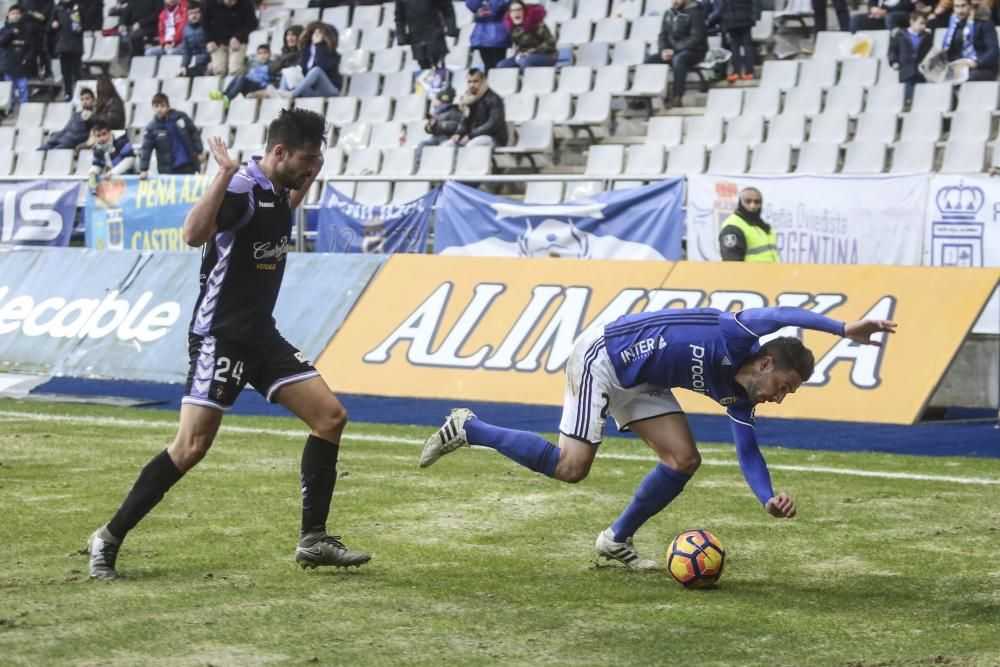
point(194, 5)
point(13, 7)
point(160, 98)
point(100, 125)
point(87, 91)
point(295, 129)
point(473, 71)
point(917, 15)
point(266, 47)
point(789, 354)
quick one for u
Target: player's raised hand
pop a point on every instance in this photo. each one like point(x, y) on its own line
point(861, 331)
point(221, 154)
point(781, 506)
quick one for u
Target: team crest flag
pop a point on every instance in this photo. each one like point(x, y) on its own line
point(643, 223)
point(346, 225)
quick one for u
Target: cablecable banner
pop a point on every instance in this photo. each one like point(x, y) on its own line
point(37, 212)
point(346, 225)
point(641, 223)
point(126, 213)
point(498, 329)
point(818, 219)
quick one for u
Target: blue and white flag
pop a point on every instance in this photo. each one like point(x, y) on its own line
point(349, 226)
point(641, 223)
point(37, 212)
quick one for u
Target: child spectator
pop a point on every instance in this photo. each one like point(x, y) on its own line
point(174, 137)
point(258, 78)
point(443, 122)
point(68, 32)
point(738, 18)
point(534, 44)
point(16, 54)
point(196, 58)
point(112, 155)
point(170, 32)
point(319, 62)
point(907, 49)
point(77, 130)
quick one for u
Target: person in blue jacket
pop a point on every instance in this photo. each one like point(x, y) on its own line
point(489, 37)
point(628, 368)
point(17, 53)
point(174, 137)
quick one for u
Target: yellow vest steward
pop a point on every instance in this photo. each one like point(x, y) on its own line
point(761, 246)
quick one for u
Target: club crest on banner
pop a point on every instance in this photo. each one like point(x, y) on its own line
point(956, 234)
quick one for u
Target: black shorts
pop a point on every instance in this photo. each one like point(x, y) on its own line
point(219, 369)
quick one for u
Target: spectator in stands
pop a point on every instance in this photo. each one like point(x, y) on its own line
point(195, 56)
point(77, 130)
point(423, 25)
point(534, 43)
point(290, 55)
point(68, 32)
point(937, 14)
point(443, 122)
point(972, 39)
point(113, 156)
point(319, 62)
point(37, 15)
point(228, 24)
point(744, 236)
point(110, 107)
point(906, 49)
point(258, 78)
point(883, 15)
point(484, 122)
point(737, 18)
point(175, 138)
point(16, 54)
point(490, 37)
point(839, 8)
point(170, 29)
point(682, 43)
point(92, 15)
point(140, 17)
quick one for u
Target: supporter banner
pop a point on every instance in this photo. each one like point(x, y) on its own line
point(641, 223)
point(349, 226)
point(818, 219)
point(37, 212)
point(498, 329)
point(89, 313)
point(127, 213)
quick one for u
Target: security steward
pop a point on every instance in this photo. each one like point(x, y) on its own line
point(744, 236)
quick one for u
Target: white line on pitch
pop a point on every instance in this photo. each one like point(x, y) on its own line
point(12, 415)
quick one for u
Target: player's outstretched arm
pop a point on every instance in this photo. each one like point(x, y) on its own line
point(781, 506)
point(861, 331)
point(200, 223)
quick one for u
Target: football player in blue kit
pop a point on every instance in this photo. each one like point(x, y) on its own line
point(628, 368)
point(244, 223)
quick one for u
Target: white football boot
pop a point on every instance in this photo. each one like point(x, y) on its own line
point(623, 552)
point(103, 555)
point(448, 438)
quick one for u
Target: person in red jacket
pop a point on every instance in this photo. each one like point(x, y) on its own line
point(170, 34)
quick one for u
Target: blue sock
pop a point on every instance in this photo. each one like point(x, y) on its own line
point(530, 450)
point(653, 494)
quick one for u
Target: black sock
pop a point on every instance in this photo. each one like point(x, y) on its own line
point(318, 477)
point(154, 481)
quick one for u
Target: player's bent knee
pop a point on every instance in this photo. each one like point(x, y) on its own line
point(330, 425)
point(689, 463)
point(188, 452)
point(571, 473)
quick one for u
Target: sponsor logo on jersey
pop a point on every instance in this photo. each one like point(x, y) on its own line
point(263, 249)
point(728, 400)
point(698, 369)
point(642, 349)
point(725, 361)
point(265, 204)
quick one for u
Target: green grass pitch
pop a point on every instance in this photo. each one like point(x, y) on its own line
point(477, 561)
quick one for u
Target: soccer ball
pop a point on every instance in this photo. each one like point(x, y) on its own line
point(696, 558)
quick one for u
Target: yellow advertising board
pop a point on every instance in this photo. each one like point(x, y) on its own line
point(500, 329)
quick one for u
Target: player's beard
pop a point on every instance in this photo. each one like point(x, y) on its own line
point(753, 390)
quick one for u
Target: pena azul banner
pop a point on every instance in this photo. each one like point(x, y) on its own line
point(126, 213)
point(346, 225)
point(37, 212)
point(641, 223)
point(818, 219)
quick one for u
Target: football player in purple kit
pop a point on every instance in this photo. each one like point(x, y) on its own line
point(244, 223)
point(628, 368)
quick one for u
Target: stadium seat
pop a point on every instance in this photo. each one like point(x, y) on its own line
point(535, 136)
point(520, 107)
point(559, 11)
point(105, 51)
point(6, 94)
point(773, 157)
point(645, 159)
point(538, 80)
point(575, 79)
point(762, 31)
point(177, 88)
point(665, 130)
point(818, 73)
point(168, 66)
point(6, 162)
point(28, 139)
point(629, 53)
point(844, 98)
point(407, 191)
point(242, 111)
point(646, 29)
point(886, 98)
point(437, 162)
point(385, 134)
point(84, 160)
point(649, 81)
point(591, 54)
point(611, 79)
point(142, 113)
point(375, 109)
point(555, 108)
point(342, 110)
point(354, 136)
point(876, 126)
point(201, 88)
point(921, 126)
point(375, 39)
point(410, 108)
point(223, 130)
point(339, 17)
point(398, 161)
point(829, 126)
point(827, 44)
point(818, 158)
point(592, 109)
point(258, 38)
point(576, 190)
point(504, 81)
point(592, 9)
point(373, 193)
point(364, 84)
point(399, 84)
point(305, 15)
point(803, 101)
point(388, 61)
point(575, 32)
point(626, 9)
point(762, 101)
point(457, 58)
point(725, 102)
point(978, 96)
point(728, 158)
point(355, 61)
point(781, 74)
point(142, 67)
point(970, 124)
point(366, 162)
point(472, 161)
point(29, 162)
point(605, 160)
point(349, 39)
point(345, 188)
point(271, 107)
point(686, 159)
point(249, 137)
point(415, 133)
point(746, 128)
point(211, 112)
point(7, 136)
point(963, 156)
point(915, 156)
point(144, 89)
point(30, 114)
point(543, 192)
point(859, 72)
point(58, 162)
point(367, 16)
point(333, 163)
point(612, 31)
point(57, 114)
point(864, 157)
point(705, 130)
point(932, 97)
